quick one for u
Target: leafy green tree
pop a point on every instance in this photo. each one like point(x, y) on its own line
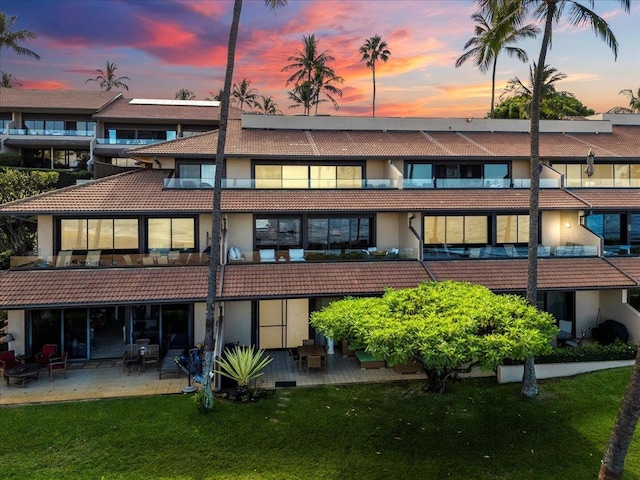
point(213, 329)
point(11, 40)
point(549, 11)
point(516, 87)
point(267, 105)
point(185, 94)
point(443, 326)
point(9, 81)
point(18, 235)
point(498, 25)
point(244, 93)
point(107, 79)
point(374, 49)
point(634, 99)
point(557, 106)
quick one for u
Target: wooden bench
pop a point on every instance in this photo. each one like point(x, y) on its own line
point(368, 361)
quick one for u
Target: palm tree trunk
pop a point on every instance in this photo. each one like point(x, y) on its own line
point(211, 344)
point(373, 69)
point(613, 462)
point(529, 383)
point(492, 113)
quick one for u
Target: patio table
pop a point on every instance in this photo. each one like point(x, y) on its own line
point(22, 372)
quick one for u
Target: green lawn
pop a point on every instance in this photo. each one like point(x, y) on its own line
point(478, 430)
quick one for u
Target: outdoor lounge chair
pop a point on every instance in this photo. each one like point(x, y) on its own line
point(268, 255)
point(93, 258)
point(296, 255)
point(64, 258)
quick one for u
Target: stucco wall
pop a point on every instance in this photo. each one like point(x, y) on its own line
point(16, 326)
point(45, 236)
point(613, 306)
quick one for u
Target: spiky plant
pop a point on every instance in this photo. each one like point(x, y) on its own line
point(243, 364)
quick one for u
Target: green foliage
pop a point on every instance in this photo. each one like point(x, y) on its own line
point(443, 325)
point(554, 107)
point(243, 364)
point(589, 353)
point(10, 160)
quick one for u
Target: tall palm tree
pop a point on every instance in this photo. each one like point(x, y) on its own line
point(212, 339)
point(244, 93)
point(498, 26)
point(185, 94)
point(634, 100)
point(516, 87)
point(549, 11)
point(10, 39)
point(107, 79)
point(323, 79)
point(267, 105)
point(9, 81)
point(374, 49)
point(303, 94)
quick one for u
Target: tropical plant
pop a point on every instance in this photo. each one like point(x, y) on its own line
point(557, 106)
point(634, 99)
point(311, 72)
point(185, 94)
point(267, 105)
point(212, 324)
point(107, 79)
point(9, 81)
point(517, 88)
point(216, 96)
point(303, 95)
point(243, 364)
point(374, 49)
point(244, 93)
point(498, 25)
point(442, 326)
point(549, 11)
point(11, 40)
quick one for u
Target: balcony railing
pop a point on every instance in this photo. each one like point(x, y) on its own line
point(127, 141)
point(56, 133)
point(446, 252)
point(102, 260)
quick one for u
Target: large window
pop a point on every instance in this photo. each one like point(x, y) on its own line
point(171, 233)
point(512, 229)
point(455, 230)
point(608, 226)
point(99, 234)
point(456, 175)
point(278, 233)
point(339, 233)
point(308, 176)
point(204, 172)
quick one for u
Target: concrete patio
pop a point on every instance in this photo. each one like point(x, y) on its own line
point(106, 379)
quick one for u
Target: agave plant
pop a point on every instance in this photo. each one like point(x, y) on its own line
point(243, 364)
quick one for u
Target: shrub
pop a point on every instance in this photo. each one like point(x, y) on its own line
point(589, 353)
point(10, 160)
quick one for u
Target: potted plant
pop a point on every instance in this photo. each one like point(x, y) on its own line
point(243, 364)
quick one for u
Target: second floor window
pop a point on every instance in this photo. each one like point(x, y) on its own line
point(308, 176)
point(99, 234)
point(512, 229)
point(171, 233)
point(456, 230)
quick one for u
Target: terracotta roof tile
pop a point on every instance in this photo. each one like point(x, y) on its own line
point(553, 274)
point(21, 99)
point(607, 198)
point(142, 191)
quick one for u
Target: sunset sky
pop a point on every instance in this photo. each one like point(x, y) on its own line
point(166, 45)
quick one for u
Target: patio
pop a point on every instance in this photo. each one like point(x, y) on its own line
point(106, 379)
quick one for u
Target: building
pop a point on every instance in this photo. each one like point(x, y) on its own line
point(316, 208)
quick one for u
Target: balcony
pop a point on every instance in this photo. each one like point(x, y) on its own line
point(96, 259)
point(52, 133)
point(446, 252)
point(442, 183)
point(296, 255)
point(127, 141)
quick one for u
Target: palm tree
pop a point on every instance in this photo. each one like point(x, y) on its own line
point(213, 325)
point(634, 100)
point(216, 96)
point(516, 88)
point(244, 93)
point(549, 11)
point(311, 67)
point(497, 27)
point(267, 105)
point(185, 94)
point(303, 94)
point(9, 81)
point(9, 39)
point(374, 48)
point(107, 79)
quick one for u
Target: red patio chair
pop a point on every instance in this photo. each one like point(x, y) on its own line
point(48, 350)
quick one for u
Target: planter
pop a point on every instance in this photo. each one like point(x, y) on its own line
point(513, 373)
point(407, 367)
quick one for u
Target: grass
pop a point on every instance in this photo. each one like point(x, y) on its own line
point(478, 430)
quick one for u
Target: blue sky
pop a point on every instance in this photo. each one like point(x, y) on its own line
point(166, 45)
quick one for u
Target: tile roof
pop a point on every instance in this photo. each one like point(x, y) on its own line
point(607, 198)
point(47, 288)
point(21, 99)
point(256, 143)
point(50, 288)
point(142, 192)
point(553, 274)
point(122, 110)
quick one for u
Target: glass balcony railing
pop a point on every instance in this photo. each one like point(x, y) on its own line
point(127, 141)
point(252, 184)
point(56, 133)
point(446, 252)
point(103, 260)
point(189, 183)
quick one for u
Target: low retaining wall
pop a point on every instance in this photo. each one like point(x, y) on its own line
point(513, 373)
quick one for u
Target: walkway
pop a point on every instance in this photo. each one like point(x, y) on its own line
point(106, 379)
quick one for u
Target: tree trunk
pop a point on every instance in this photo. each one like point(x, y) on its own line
point(528, 379)
point(211, 344)
point(373, 69)
point(492, 113)
point(613, 462)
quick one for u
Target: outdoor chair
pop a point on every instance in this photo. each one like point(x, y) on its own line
point(314, 362)
point(64, 258)
point(151, 355)
point(58, 364)
point(49, 350)
point(268, 255)
point(296, 255)
point(295, 358)
point(308, 341)
point(93, 258)
point(131, 357)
